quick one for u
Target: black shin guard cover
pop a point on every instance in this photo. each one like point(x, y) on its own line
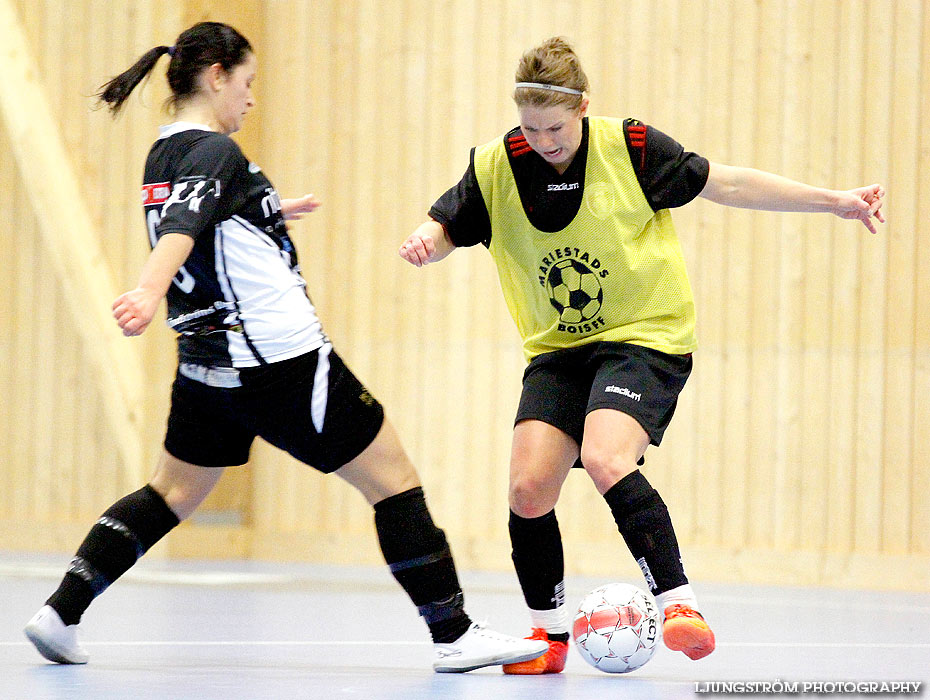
point(647, 529)
point(120, 536)
point(538, 559)
point(418, 556)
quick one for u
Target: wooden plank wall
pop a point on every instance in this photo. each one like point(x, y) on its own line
point(60, 457)
point(800, 451)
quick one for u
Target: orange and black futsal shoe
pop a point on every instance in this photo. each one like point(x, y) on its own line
point(686, 631)
point(553, 661)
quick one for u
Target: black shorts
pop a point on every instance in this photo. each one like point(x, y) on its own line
point(560, 388)
point(311, 406)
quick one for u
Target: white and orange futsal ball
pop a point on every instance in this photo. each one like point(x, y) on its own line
point(617, 628)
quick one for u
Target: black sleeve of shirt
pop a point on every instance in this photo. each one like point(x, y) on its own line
point(462, 212)
point(669, 176)
point(202, 181)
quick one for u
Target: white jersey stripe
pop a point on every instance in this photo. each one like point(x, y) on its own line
point(275, 314)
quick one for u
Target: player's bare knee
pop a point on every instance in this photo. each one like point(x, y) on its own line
point(379, 475)
point(182, 502)
point(606, 468)
point(405, 478)
point(182, 498)
point(531, 498)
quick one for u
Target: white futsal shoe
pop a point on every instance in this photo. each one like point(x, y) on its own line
point(55, 640)
point(480, 647)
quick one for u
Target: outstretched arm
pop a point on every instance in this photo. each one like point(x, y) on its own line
point(754, 189)
point(134, 310)
point(429, 243)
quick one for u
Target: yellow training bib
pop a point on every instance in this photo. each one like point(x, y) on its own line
point(616, 272)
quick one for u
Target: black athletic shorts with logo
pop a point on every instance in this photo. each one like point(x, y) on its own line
point(562, 387)
point(311, 406)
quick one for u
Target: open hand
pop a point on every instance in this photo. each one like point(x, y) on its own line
point(864, 203)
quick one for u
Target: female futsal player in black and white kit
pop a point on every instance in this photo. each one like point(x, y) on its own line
point(574, 211)
point(253, 361)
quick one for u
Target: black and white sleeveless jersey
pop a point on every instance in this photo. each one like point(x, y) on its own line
point(239, 300)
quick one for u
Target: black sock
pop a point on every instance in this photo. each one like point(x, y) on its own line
point(419, 558)
point(538, 559)
point(125, 532)
point(647, 529)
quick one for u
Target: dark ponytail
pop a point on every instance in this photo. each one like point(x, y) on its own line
point(196, 48)
point(115, 92)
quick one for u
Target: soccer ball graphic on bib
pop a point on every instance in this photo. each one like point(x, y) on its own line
point(574, 290)
point(617, 628)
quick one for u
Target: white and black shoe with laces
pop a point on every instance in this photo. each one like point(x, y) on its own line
point(480, 647)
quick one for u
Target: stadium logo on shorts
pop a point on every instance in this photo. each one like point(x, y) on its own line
point(575, 292)
point(623, 391)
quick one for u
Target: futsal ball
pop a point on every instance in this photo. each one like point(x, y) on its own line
point(616, 629)
point(574, 291)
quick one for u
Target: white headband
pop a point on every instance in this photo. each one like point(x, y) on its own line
point(556, 88)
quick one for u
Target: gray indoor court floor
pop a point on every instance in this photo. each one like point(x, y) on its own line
point(205, 630)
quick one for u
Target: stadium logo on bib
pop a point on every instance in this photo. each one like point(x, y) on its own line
point(571, 278)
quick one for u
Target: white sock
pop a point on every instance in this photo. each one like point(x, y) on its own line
point(683, 595)
point(553, 621)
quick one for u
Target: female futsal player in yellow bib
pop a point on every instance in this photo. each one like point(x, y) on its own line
point(574, 210)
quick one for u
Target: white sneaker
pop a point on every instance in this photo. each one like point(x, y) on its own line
point(480, 647)
point(55, 640)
